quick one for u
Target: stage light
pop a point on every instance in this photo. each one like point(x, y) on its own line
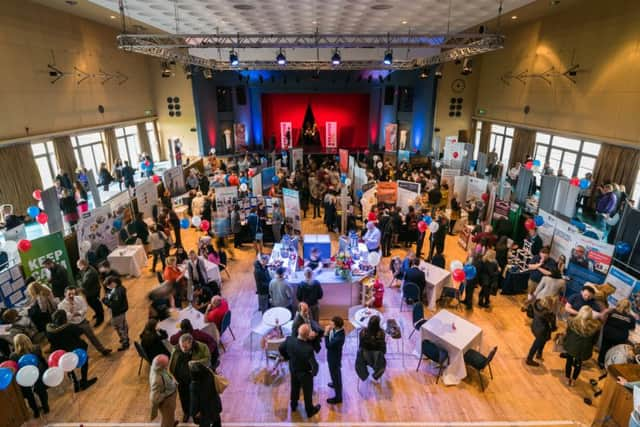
point(388, 57)
point(438, 73)
point(233, 58)
point(207, 73)
point(187, 72)
point(166, 70)
point(335, 59)
point(467, 67)
point(281, 59)
point(424, 73)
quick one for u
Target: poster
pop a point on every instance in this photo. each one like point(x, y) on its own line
point(448, 176)
point(599, 253)
point(460, 188)
point(476, 187)
point(267, 175)
point(285, 135)
point(547, 229)
point(352, 165)
point(387, 192)
point(368, 200)
point(453, 150)
point(297, 158)
point(51, 205)
point(173, 179)
point(563, 239)
point(624, 283)
point(147, 197)
point(256, 184)
point(96, 227)
point(12, 287)
point(390, 136)
point(226, 199)
point(291, 200)
point(332, 135)
point(240, 135)
point(43, 248)
point(344, 160)
point(404, 156)
point(408, 192)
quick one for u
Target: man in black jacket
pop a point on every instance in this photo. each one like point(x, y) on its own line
point(116, 300)
point(310, 292)
point(334, 341)
point(128, 174)
point(90, 284)
point(386, 227)
point(415, 275)
point(263, 278)
point(303, 367)
point(58, 278)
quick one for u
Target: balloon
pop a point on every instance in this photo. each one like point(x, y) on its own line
point(42, 218)
point(347, 182)
point(469, 271)
point(372, 216)
point(27, 360)
point(485, 197)
point(434, 226)
point(82, 357)
point(196, 221)
point(438, 164)
point(275, 179)
point(530, 224)
point(343, 178)
point(10, 364)
point(204, 225)
point(538, 220)
point(584, 183)
point(456, 265)
point(54, 358)
point(373, 258)
point(243, 187)
point(117, 224)
point(574, 181)
point(251, 172)
point(244, 180)
point(6, 375)
point(53, 377)
point(263, 159)
point(458, 275)
point(147, 163)
point(427, 219)
point(366, 152)
point(69, 361)
point(379, 165)
point(24, 245)
point(528, 165)
point(33, 211)
point(422, 226)
point(27, 376)
point(455, 154)
point(85, 245)
point(184, 223)
point(537, 163)
point(623, 249)
point(37, 194)
point(578, 224)
point(233, 180)
point(359, 194)
point(155, 179)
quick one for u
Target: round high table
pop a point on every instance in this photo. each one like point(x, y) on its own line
point(276, 316)
point(362, 316)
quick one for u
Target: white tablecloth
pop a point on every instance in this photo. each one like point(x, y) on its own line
point(276, 316)
point(128, 260)
point(439, 329)
point(362, 316)
point(437, 278)
point(172, 324)
point(213, 271)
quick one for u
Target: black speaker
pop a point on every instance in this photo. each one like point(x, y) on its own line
point(173, 105)
point(241, 95)
point(389, 92)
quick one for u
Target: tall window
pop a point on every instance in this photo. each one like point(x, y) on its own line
point(574, 157)
point(153, 140)
point(89, 150)
point(45, 158)
point(501, 140)
point(636, 191)
point(476, 141)
point(128, 146)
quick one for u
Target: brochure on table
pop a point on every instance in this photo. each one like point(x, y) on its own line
point(291, 200)
point(43, 248)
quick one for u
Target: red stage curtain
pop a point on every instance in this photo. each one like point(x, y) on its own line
point(349, 110)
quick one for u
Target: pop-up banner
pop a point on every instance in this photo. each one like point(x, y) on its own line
point(42, 249)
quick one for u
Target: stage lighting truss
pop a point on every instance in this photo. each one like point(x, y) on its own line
point(176, 48)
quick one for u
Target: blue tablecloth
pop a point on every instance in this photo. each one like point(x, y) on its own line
point(515, 282)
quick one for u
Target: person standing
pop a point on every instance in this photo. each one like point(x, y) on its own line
point(116, 300)
point(22, 345)
point(334, 341)
point(174, 220)
point(236, 226)
point(276, 223)
point(263, 279)
point(197, 273)
point(372, 237)
point(303, 367)
point(280, 293)
point(310, 292)
point(58, 277)
point(205, 400)
point(75, 308)
point(489, 275)
point(128, 174)
point(186, 351)
point(582, 334)
point(544, 323)
point(316, 196)
point(163, 391)
point(90, 283)
point(455, 213)
point(157, 242)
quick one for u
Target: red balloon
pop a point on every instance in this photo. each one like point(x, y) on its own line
point(42, 218)
point(422, 226)
point(147, 163)
point(24, 245)
point(372, 216)
point(155, 179)
point(11, 364)
point(251, 172)
point(574, 181)
point(366, 152)
point(458, 275)
point(233, 180)
point(54, 358)
point(529, 165)
point(37, 194)
point(204, 225)
point(485, 197)
point(530, 224)
point(455, 154)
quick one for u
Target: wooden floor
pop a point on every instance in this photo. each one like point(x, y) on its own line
point(517, 393)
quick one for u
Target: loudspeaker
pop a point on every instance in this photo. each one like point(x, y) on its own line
point(455, 107)
point(389, 92)
point(173, 105)
point(241, 95)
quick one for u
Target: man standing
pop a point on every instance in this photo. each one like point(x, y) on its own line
point(128, 174)
point(372, 237)
point(197, 274)
point(76, 311)
point(310, 292)
point(415, 275)
point(334, 341)
point(90, 284)
point(187, 350)
point(262, 278)
point(116, 300)
point(57, 277)
point(386, 229)
point(303, 367)
point(280, 292)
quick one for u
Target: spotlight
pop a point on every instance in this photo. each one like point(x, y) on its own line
point(233, 58)
point(207, 73)
point(335, 59)
point(388, 57)
point(438, 73)
point(166, 70)
point(467, 67)
point(281, 59)
point(424, 73)
point(187, 72)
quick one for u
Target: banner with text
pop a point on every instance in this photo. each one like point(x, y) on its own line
point(43, 248)
point(332, 135)
point(285, 135)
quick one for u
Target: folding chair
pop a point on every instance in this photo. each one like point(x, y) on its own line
point(434, 352)
point(226, 324)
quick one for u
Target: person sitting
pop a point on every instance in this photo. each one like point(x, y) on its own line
point(310, 292)
point(216, 311)
point(19, 324)
point(584, 297)
point(314, 262)
point(371, 351)
point(202, 298)
point(152, 340)
point(162, 299)
point(200, 336)
point(23, 346)
point(415, 275)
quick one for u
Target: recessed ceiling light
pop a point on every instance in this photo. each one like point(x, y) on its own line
point(314, 22)
point(514, 17)
point(381, 6)
point(404, 22)
point(243, 6)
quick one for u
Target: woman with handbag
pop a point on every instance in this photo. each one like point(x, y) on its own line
point(163, 392)
point(544, 323)
point(206, 405)
point(582, 334)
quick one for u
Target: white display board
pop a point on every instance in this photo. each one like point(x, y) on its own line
point(408, 192)
point(147, 197)
point(173, 179)
point(460, 186)
point(476, 187)
point(448, 176)
point(226, 199)
point(291, 200)
point(547, 229)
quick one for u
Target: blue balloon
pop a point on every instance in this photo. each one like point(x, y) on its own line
point(117, 224)
point(584, 183)
point(6, 376)
point(184, 223)
point(470, 271)
point(473, 164)
point(427, 219)
point(27, 360)
point(539, 220)
point(275, 179)
point(33, 211)
point(359, 193)
point(263, 160)
point(343, 178)
point(623, 249)
point(82, 357)
point(537, 163)
point(244, 180)
point(337, 158)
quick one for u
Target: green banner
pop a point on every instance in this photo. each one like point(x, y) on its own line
point(43, 248)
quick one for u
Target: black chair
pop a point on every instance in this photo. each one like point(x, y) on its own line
point(410, 294)
point(226, 324)
point(478, 361)
point(142, 354)
point(434, 352)
point(449, 294)
point(418, 317)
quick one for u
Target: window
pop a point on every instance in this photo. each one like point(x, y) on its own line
point(573, 156)
point(476, 140)
point(636, 191)
point(128, 146)
point(501, 139)
point(89, 150)
point(153, 140)
point(45, 158)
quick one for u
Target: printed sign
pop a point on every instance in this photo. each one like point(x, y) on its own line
point(344, 160)
point(147, 197)
point(43, 248)
point(390, 137)
point(291, 200)
point(623, 282)
point(387, 192)
point(332, 135)
point(285, 135)
point(173, 179)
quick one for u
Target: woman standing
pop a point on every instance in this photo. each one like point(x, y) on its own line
point(582, 334)
point(205, 400)
point(163, 392)
point(23, 345)
point(455, 213)
point(80, 196)
point(489, 275)
point(116, 173)
point(617, 326)
point(43, 304)
point(157, 243)
point(544, 323)
point(104, 176)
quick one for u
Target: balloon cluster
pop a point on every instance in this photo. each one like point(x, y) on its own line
point(462, 272)
point(197, 222)
point(27, 373)
point(35, 212)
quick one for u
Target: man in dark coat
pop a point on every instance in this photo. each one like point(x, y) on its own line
point(262, 278)
point(59, 279)
point(334, 341)
point(90, 284)
point(205, 400)
point(415, 275)
point(128, 174)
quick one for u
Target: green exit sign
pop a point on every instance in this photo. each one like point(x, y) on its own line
point(481, 111)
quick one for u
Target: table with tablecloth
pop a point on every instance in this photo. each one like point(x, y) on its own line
point(212, 270)
point(515, 282)
point(172, 324)
point(437, 278)
point(128, 260)
point(454, 334)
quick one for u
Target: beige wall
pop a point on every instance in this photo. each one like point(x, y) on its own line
point(28, 34)
point(174, 127)
point(604, 38)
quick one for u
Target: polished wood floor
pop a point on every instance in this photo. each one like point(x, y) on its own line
point(517, 392)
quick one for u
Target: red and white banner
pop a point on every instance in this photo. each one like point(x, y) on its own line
point(390, 137)
point(240, 135)
point(285, 135)
point(344, 160)
point(332, 135)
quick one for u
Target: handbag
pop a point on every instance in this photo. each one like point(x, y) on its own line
point(221, 382)
point(558, 343)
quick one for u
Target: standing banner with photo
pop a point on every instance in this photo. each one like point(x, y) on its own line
point(285, 135)
point(460, 186)
point(476, 187)
point(240, 134)
point(448, 176)
point(408, 192)
point(173, 179)
point(226, 199)
point(387, 192)
point(291, 200)
point(147, 197)
point(43, 248)
point(599, 254)
point(625, 286)
point(390, 137)
point(96, 227)
point(331, 135)
point(563, 239)
point(256, 184)
point(344, 160)
point(368, 199)
point(297, 155)
point(51, 205)
point(12, 287)
point(359, 179)
point(267, 178)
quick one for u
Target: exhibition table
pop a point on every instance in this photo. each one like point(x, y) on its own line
point(276, 316)
point(515, 282)
point(456, 335)
point(362, 316)
point(172, 324)
point(212, 270)
point(128, 260)
point(437, 278)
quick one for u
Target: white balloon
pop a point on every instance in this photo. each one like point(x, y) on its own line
point(373, 258)
point(196, 221)
point(53, 377)
point(243, 187)
point(465, 152)
point(456, 265)
point(27, 376)
point(434, 226)
point(85, 245)
point(212, 151)
point(438, 164)
point(347, 182)
point(68, 362)
point(379, 165)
